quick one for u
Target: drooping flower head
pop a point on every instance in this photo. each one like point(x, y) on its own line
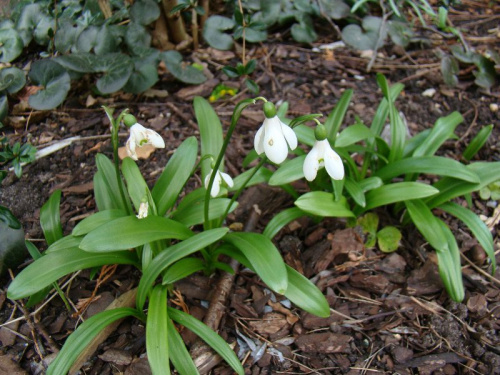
point(219, 177)
point(140, 136)
point(274, 137)
point(322, 155)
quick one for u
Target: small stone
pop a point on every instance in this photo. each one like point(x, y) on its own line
point(494, 107)
point(429, 93)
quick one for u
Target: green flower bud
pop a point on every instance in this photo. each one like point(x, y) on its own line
point(269, 110)
point(320, 132)
point(129, 120)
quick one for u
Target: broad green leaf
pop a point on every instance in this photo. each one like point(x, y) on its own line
point(440, 238)
point(194, 214)
point(336, 116)
point(187, 74)
point(210, 133)
point(81, 62)
point(103, 200)
point(291, 170)
point(450, 188)
point(415, 141)
point(137, 39)
point(323, 204)
point(96, 220)
point(353, 134)
point(175, 175)
point(144, 11)
point(55, 82)
point(370, 183)
point(173, 254)
point(116, 69)
point(12, 79)
point(213, 32)
point(108, 175)
point(449, 70)
point(370, 37)
point(63, 244)
point(476, 226)
point(303, 32)
point(137, 187)
point(210, 337)
point(261, 176)
point(477, 142)
point(388, 239)
point(157, 331)
point(369, 222)
point(436, 165)
point(305, 134)
point(53, 266)
point(181, 269)
point(442, 130)
point(336, 9)
point(397, 192)
point(264, 257)
point(178, 352)
point(50, 220)
point(129, 231)
point(4, 110)
point(305, 294)
point(142, 79)
point(11, 45)
point(84, 335)
point(13, 250)
point(279, 221)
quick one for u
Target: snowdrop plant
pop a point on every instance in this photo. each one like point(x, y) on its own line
point(165, 237)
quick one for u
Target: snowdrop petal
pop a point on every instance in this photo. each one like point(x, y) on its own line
point(333, 164)
point(290, 136)
point(130, 147)
point(139, 136)
point(216, 186)
point(258, 142)
point(155, 139)
point(227, 178)
point(311, 164)
point(275, 145)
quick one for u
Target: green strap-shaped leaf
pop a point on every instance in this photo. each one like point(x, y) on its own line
point(264, 257)
point(107, 174)
point(323, 204)
point(171, 255)
point(128, 232)
point(305, 134)
point(353, 134)
point(261, 176)
point(210, 133)
point(53, 266)
point(84, 335)
point(441, 131)
point(380, 117)
point(397, 192)
point(50, 220)
point(63, 244)
point(181, 269)
point(279, 221)
point(442, 240)
point(355, 191)
point(193, 214)
point(305, 294)
point(102, 199)
point(476, 226)
point(96, 220)
point(174, 177)
point(449, 188)
point(477, 142)
point(430, 165)
point(178, 352)
point(336, 116)
point(291, 170)
point(209, 336)
point(157, 332)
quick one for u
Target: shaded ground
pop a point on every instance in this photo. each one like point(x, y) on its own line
point(389, 312)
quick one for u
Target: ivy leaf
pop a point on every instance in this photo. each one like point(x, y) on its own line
point(365, 38)
point(186, 74)
point(303, 32)
point(335, 9)
point(141, 79)
point(66, 36)
point(144, 12)
point(11, 45)
point(137, 39)
point(213, 32)
point(4, 110)
point(449, 69)
point(117, 68)
point(55, 81)
point(12, 79)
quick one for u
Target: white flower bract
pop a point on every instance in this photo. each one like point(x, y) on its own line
point(322, 155)
point(219, 177)
point(140, 136)
point(273, 138)
point(143, 210)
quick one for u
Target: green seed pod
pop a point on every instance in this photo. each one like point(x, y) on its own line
point(320, 132)
point(269, 110)
point(129, 120)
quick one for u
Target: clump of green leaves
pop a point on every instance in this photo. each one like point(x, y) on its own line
point(243, 71)
point(15, 156)
point(388, 238)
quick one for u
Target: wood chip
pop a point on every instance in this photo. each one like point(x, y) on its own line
point(325, 342)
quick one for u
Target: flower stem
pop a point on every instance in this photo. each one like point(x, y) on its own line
point(116, 162)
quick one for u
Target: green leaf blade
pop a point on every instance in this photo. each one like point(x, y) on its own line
point(157, 332)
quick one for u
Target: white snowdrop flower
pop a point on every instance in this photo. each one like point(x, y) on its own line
point(322, 155)
point(140, 136)
point(219, 177)
point(143, 210)
point(274, 137)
